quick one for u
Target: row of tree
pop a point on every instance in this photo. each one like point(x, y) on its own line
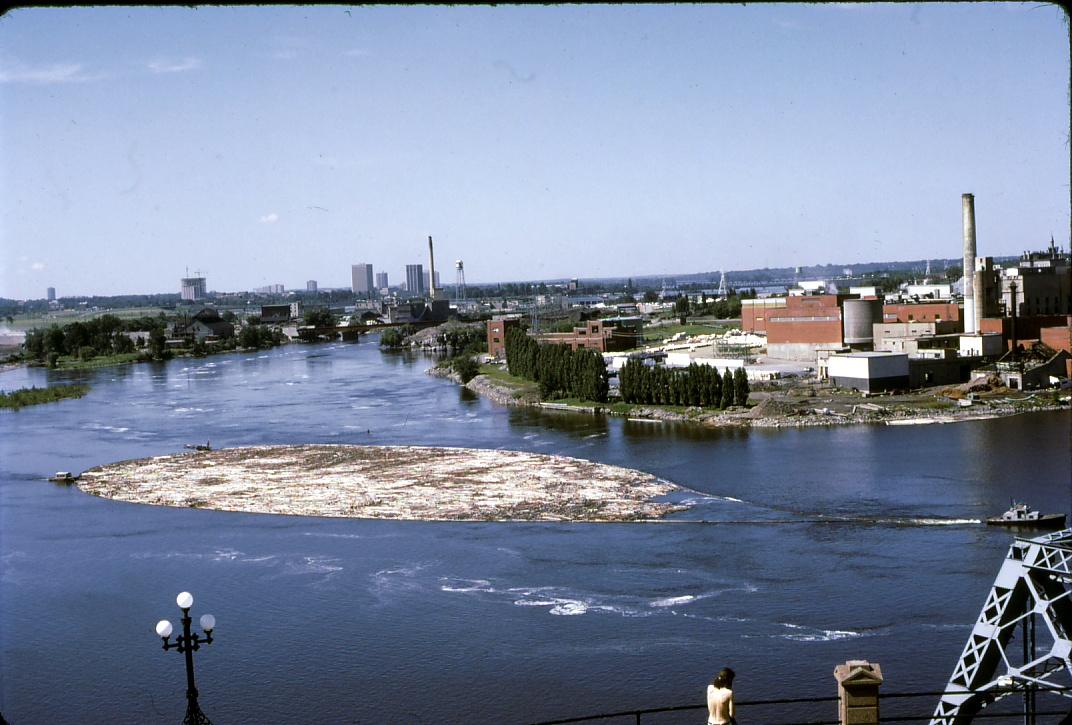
point(104, 335)
point(697, 385)
point(560, 371)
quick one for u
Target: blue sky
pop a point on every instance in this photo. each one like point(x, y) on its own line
point(267, 145)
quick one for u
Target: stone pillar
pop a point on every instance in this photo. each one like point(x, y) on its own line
point(858, 683)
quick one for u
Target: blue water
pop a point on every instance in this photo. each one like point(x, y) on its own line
point(329, 620)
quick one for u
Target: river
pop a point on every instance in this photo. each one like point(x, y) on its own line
point(333, 620)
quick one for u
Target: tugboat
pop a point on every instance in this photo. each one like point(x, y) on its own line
point(63, 477)
point(1022, 515)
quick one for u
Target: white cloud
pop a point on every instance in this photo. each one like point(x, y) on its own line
point(47, 74)
point(38, 266)
point(357, 53)
point(285, 54)
point(174, 66)
point(270, 218)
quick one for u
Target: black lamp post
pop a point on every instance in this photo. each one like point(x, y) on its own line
point(187, 644)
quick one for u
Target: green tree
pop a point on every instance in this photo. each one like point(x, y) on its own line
point(392, 338)
point(727, 389)
point(465, 367)
point(681, 308)
point(158, 344)
point(740, 387)
point(320, 317)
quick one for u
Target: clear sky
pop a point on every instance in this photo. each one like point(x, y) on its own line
point(265, 145)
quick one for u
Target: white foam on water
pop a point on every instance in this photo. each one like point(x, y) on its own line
point(807, 634)
point(102, 426)
point(673, 601)
point(465, 585)
point(227, 554)
point(313, 565)
point(569, 609)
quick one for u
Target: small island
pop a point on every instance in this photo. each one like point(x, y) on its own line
point(388, 482)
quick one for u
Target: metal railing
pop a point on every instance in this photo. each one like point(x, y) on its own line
point(744, 706)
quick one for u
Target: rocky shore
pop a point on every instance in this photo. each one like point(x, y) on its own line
point(388, 482)
point(779, 411)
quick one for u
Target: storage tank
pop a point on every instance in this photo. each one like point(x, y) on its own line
point(860, 317)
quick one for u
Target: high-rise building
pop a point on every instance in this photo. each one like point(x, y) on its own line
point(381, 280)
point(310, 286)
point(415, 280)
point(51, 294)
point(193, 288)
point(362, 279)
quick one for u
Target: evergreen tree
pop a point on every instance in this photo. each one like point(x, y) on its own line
point(727, 389)
point(740, 387)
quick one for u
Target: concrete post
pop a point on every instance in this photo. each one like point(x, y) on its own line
point(858, 683)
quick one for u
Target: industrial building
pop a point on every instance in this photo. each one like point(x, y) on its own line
point(361, 280)
point(497, 329)
point(869, 372)
point(611, 334)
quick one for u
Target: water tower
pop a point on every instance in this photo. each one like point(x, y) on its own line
point(459, 281)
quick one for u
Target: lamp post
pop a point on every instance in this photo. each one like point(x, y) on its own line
point(187, 644)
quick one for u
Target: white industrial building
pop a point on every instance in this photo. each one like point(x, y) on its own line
point(868, 372)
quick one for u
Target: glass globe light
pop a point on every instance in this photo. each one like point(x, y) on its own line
point(163, 628)
point(185, 600)
point(208, 622)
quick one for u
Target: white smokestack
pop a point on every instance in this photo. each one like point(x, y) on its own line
point(967, 202)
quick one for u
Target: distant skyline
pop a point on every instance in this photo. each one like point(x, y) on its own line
point(265, 145)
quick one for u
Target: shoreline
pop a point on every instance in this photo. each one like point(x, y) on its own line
point(771, 412)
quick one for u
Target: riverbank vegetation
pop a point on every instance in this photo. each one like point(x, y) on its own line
point(696, 385)
point(109, 340)
point(23, 397)
point(559, 371)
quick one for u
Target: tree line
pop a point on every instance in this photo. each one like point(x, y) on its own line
point(104, 335)
point(560, 371)
point(696, 385)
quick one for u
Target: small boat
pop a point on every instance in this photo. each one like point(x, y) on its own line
point(63, 477)
point(199, 447)
point(1020, 514)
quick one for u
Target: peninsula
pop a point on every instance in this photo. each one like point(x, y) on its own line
point(387, 482)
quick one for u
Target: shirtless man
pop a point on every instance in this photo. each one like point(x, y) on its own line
point(720, 709)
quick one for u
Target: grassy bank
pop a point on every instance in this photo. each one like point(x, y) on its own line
point(102, 361)
point(34, 396)
point(504, 378)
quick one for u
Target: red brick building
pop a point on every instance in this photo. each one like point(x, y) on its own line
point(938, 311)
point(497, 329)
point(608, 335)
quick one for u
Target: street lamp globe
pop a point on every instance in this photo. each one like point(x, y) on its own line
point(208, 622)
point(163, 628)
point(185, 600)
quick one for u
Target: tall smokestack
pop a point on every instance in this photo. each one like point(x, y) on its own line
point(967, 202)
point(431, 267)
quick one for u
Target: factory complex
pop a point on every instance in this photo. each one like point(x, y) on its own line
point(1009, 323)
